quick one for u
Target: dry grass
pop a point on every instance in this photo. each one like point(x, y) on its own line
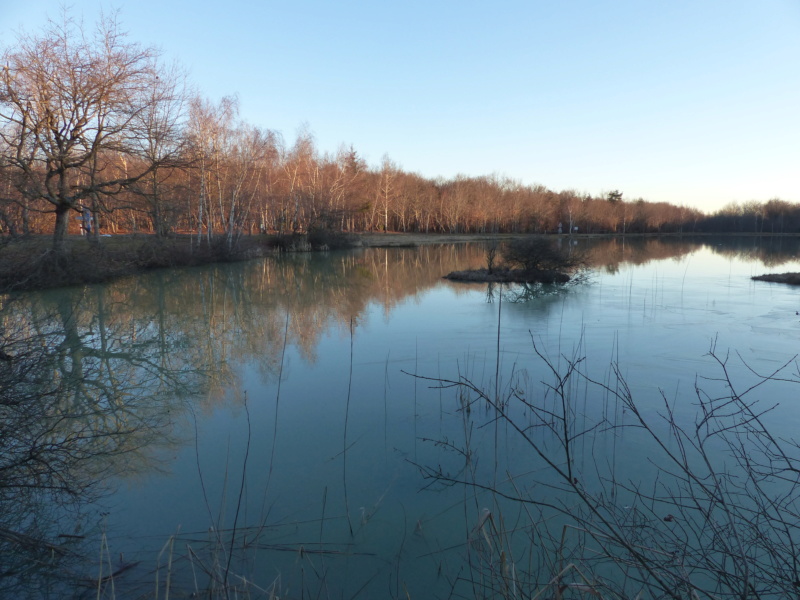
point(32, 263)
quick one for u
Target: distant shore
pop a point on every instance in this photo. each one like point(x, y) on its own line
point(393, 240)
point(400, 240)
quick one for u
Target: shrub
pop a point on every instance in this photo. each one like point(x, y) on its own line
point(324, 238)
point(540, 254)
point(715, 514)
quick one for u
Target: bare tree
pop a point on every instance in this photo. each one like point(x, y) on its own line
point(67, 105)
point(160, 133)
point(301, 167)
point(209, 129)
point(385, 194)
point(246, 160)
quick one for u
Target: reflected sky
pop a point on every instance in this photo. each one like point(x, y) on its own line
point(307, 421)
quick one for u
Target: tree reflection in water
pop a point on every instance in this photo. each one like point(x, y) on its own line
point(84, 395)
point(95, 381)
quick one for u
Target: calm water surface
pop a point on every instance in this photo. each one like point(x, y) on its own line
point(267, 426)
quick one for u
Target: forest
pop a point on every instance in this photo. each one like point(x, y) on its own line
point(101, 135)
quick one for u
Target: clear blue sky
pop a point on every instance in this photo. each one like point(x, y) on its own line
point(693, 102)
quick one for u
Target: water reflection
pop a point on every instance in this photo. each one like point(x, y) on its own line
point(88, 390)
point(98, 383)
point(95, 380)
point(610, 254)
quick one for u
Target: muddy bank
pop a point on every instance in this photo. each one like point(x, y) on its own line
point(32, 263)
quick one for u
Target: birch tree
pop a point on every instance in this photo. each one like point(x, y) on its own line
point(386, 192)
point(160, 129)
point(247, 162)
point(208, 132)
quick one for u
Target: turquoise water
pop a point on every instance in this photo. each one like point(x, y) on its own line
point(286, 409)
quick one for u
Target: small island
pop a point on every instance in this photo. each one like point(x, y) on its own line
point(525, 260)
point(506, 275)
point(790, 278)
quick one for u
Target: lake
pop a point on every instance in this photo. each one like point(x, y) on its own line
point(349, 424)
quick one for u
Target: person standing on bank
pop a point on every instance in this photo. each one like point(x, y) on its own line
point(87, 220)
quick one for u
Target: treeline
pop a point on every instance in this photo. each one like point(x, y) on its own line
point(99, 134)
point(773, 216)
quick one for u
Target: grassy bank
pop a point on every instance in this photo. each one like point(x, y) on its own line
point(31, 263)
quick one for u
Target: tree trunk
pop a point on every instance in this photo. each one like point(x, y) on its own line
point(60, 231)
point(26, 226)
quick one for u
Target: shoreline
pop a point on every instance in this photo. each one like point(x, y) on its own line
point(401, 239)
point(31, 264)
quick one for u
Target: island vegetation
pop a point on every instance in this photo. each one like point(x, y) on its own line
point(526, 260)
